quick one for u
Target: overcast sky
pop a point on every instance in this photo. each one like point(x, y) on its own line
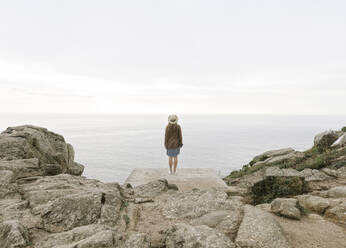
point(140, 56)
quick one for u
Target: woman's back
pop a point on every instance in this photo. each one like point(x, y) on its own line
point(173, 136)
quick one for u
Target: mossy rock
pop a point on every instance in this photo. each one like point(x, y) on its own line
point(325, 142)
point(258, 159)
point(275, 186)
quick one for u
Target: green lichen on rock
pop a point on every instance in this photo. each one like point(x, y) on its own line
point(273, 187)
point(126, 219)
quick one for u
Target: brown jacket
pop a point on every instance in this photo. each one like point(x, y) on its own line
point(173, 137)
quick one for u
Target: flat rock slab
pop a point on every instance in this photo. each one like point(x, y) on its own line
point(186, 178)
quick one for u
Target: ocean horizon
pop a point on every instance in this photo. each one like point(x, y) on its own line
point(111, 146)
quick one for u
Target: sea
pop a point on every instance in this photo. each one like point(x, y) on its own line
point(111, 146)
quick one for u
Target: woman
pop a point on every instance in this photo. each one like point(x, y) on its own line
point(173, 142)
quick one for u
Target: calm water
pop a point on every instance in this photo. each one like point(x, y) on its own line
point(111, 146)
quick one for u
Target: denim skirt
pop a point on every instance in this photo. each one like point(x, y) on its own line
point(173, 152)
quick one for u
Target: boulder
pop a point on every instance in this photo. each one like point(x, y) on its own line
point(226, 221)
point(313, 203)
point(277, 172)
point(101, 239)
point(259, 229)
point(337, 212)
point(197, 202)
point(27, 142)
point(341, 141)
point(281, 159)
point(71, 211)
point(6, 177)
point(325, 139)
point(23, 167)
point(151, 189)
point(186, 236)
point(307, 174)
point(7, 187)
point(314, 175)
point(236, 191)
point(88, 236)
point(337, 192)
point(330, 172)
point(271, 153)
point(314, 217)
point(264, 206)
point(137, 240)
point(13, 235)
point(287, 158)
point(287, 207)
point(64, 202)
point(342, 172)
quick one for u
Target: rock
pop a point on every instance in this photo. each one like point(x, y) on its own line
point(331, 173)
point(7, 186)
point(64, 202)
point(282, 159)
point(272, 153)
point(338, 173)
point(13, 235)
point(28, 142)
point(137, 240)
point(6, 177)
point(75, 169)
point(337, 192)
point(277, 172)
point(151, 189)
point(246, 181)
point(173, 186)
point(338, 212)
point(186, 236)
point(287, 207)
point(341, 141)
point(265, 207)
point(71, 211)
point(100, 239)
point(52, 169)
point(314, 175)
point(196, 203)
point(85, 236)
point(259, 229)
point(278, 183)
point(324, 140)
point(308, 174)
point(342, 172)
point(313, 203)
point(94, 236)
point(70, 153)
point(236, 191)
point(22, 167)
point(315, 217)
point(287, 158)
point(227, 222)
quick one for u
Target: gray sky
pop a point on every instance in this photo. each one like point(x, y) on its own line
point(139, 56)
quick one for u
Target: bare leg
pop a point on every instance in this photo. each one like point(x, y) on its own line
point(175, 160)
point(170, 162)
